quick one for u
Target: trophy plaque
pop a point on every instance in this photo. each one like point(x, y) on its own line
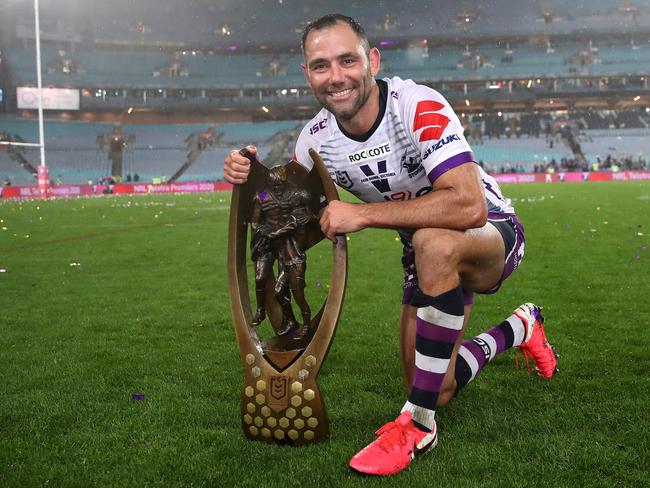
point(274, 215)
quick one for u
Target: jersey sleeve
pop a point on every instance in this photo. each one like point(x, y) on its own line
point(301, 152)
point(434, 129)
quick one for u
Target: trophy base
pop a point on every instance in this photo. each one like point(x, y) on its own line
point(280, 408)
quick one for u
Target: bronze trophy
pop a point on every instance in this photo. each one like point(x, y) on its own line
point(281, 401)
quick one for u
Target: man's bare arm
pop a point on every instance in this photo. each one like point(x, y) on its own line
point(457, 202)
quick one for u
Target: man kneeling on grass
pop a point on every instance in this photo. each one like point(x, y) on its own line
point(400, 148)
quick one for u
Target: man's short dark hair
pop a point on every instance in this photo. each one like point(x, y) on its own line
point(330, 20)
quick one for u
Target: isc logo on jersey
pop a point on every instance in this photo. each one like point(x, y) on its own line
point(367, 154)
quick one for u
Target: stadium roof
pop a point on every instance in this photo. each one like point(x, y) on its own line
point(243, 23)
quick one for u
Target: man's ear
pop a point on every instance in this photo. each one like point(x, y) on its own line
point(375, 61)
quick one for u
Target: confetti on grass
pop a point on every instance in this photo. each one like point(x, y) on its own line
point(137, 397)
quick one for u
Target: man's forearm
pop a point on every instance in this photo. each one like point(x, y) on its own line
point(444, 208)
point(456, 202)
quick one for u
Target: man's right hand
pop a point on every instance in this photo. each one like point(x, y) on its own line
point(236, 167)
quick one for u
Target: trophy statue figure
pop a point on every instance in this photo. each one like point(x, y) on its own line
point(279, 225)
point(281, 401)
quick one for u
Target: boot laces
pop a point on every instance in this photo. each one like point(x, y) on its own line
point(389, 434)
point(526, 356)
point(542, 360)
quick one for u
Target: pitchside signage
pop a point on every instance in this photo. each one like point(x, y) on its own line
point(130, 189)
point(278, 208)
point(53, 98)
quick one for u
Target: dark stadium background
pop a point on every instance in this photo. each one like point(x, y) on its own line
point(537, 84)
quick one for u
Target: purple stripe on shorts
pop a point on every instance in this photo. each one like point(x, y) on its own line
point(425, 380)
point(514, 258)
point(451, 163)
point(499, 215)
point(435, 332)
point(519, 228)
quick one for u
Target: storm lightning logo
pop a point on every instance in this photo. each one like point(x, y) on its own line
point(411, 165)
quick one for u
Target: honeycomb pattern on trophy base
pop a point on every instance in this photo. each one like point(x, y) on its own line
point(295, 423)
point(300, 422)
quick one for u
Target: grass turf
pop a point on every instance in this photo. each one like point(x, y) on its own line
point(119, 365)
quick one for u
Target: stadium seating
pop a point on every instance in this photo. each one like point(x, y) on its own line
point(620, 144)
point(158, 151)
point(134, 69)
point(74, 157)
point(524, 152)
point(230, 61)
point(12, 171)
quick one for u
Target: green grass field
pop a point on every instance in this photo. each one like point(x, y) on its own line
point(105, 298)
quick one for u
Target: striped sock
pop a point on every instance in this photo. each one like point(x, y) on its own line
point(475, 353)
point(439, 323)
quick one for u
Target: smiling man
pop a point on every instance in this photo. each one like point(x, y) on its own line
point(339, 68)
point(400, 148)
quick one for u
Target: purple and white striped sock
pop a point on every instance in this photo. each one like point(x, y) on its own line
point(475, 353)
point(439, 323)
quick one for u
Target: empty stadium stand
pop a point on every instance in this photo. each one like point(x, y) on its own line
point(74, 157)
point(515, 82)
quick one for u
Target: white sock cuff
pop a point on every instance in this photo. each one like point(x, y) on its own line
point(421, 415)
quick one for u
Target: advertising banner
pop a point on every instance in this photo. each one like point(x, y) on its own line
point(53, 98)
point(197, 187)
point(120, 189)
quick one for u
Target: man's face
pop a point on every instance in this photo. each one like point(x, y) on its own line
point(338, 70)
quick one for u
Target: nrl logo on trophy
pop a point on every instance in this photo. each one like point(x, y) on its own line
point(274, 216)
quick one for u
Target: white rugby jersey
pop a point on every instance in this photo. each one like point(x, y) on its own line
point(417, 139)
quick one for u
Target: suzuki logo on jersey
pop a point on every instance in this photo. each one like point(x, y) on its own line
point(439, 144)
point(379, 181)
point(372, 153)
point(428, 118)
